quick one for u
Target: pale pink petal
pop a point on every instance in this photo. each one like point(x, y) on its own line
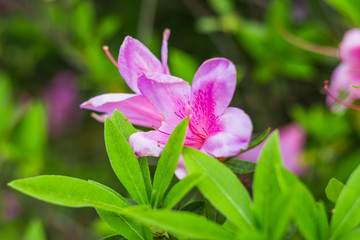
point(164, 51)
point(341, 82)
point(233, 135)
point(180, 171)
point(292, 140)
point(168, 94)
point(136, 108)
point(134, 60)
point(349, 49)
point(147, 143)
point(214, 85)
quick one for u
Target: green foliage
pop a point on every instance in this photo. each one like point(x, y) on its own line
point(168, 162)
point(221, 187)
point(348, 8)
point(124, 162)
point(240, 166)
point(35, 231)
point(333, 189)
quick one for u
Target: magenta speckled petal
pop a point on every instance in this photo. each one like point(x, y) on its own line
point(214, 83)
point(233, 134)
point(134, 60)
point(136, 108)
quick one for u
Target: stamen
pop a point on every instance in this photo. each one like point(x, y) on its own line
point(106, 49)
point(338, 100)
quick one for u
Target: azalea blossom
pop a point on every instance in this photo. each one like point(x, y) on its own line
point(161, 101)
point(347, 73)
point(134, 60)
point(292, 140)
point(214, 128)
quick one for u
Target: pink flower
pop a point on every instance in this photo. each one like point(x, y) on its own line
point(214, 128)
point(348, 72)
point(134, 60)
point(292, 139)
point(161, 101)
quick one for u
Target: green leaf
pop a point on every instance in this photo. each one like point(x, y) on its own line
point(145, 172)
point(125, 163)
point(347, 209)
point(127, 129)
point(266, 186)
point(168, 162)
point(122, 124)
point(180, 223)
point(180, 189)
point(349, 8)
point(257, 140)
point(114, 237)
point(304, 209)
point(354, 86)
point(240, 166)
point(123, 225)
point(323, 221)
point(353, 235)
point(35, 231)
point(194, 207)
point(220, 186)
point(70, 192)
point(333, 189)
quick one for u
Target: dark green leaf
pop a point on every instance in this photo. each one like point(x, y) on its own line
point(168, 162)
point(124, 163)
point(333, 189)
point(240, 166)
point(257, 140)
point(145, 171)
point(114, 237)
point(220, 186)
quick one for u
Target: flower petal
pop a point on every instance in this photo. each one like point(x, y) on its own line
point(134, 60)
point(136, 108)
point(341, 81)
point(349, 49)
point(234, 134)
point(164, 51)
point(146, 143)
point(214, 84)
point(180, 171)
point(168, 94)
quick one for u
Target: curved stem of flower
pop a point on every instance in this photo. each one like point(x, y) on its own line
point(106, 49)
point(338, 100)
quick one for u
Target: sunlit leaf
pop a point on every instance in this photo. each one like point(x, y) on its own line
point(168, 162)
point(333, 189)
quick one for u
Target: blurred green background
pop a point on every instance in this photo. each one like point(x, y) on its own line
point(51, 60)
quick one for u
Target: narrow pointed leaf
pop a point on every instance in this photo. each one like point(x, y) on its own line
point(257, 140)
point(70, 192)
point(122, 124)
point(125, 163)
point(168, 162)
point(123, 225)
point(347, 209)
point(266, 186)
point(180, 223)
point(180, 189)
point(145, 172)
point(220, 186)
